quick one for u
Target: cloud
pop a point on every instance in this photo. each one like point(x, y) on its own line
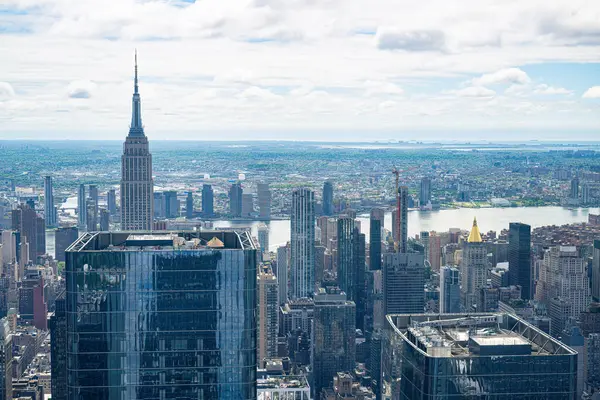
point(474, 91)
point(571, 27)
point(417, 40)
point(592, 93)
point(503, 76)
point(80, 89)
point(6, 91)
point(550, 90)
point(373, 88)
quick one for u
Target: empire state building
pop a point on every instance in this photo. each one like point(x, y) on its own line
point(137, 187)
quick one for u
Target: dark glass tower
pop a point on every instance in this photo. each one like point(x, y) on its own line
point(63, 239)
point(519, 257)
point(376, 224)
point(58, 349)
point(207, 200)
point(327, 198)
point(170, 316)
point(235, 200)
point(403, 283)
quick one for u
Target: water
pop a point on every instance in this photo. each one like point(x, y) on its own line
point(488, 219)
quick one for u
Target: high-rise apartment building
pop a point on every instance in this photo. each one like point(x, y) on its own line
point(268, 314)
point(264, 200)
point(235, 200)
point(95, 198)
point(63, 238)
point(263, 239)
point(351, 264)
point(32, 228)
point(282, 273)
point(81, 207)
point(376, 223)
point(425, 192)
point(449, 290)
point(403, 283)
point(485, 356)
point(137, 186)
point(435, 251)
point(333, 337)
point(519, 258)
point(49, 208)
point(596, 271)
point(400, 228)
point(189, 205)
point(302, 256)
point(574, 194)
point(207, 200)
point(171, 204)
point(104, 220)
point(474, 269)
point(162, 316)
point(327, 198)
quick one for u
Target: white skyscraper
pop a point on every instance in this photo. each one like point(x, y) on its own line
point(137, 187)
point(302, 259)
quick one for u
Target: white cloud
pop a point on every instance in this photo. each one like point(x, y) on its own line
point(474, 91)
point(373, 88)
point(6, 91)
point(550, 90)
point(503, 76)
point(417, 40)
point(592, 93)
point(81, 89)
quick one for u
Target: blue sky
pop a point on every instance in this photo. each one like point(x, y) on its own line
point(295, 69)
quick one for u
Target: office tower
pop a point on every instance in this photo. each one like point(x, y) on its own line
point(111, 202)
point(563, 286)
point(346, 268)
point(360, 267)
point(519, 258)
point(264, 200)
point(81, 207)
point(263, 238)
point(438, 356)
point(403, 283)
point(171, 204)
point(424, 236)
point(63, 238)
point(235, 200)
point(333, 337)
point(92, 216)
point(207, 200)
point(5, 293)
point(320, 264)
point(449, 290)
point(189, 205)
point(137, 187)
point(282, 273)
point(159, 209)
point(302, 255)
point(403, 233)
point(104, 220)
point(95, 197)
point(376, 223)
point(327, 198)
point(247, 204)
point(425, 192)
point(6, 360)
point(58, 349)
point(268, 314)
point(575, 188)
point(474, 268)
point(49, 209)
point(596, 271)
point(435, 251)
point(32, 229)
point(162, 316)
point(32, 302)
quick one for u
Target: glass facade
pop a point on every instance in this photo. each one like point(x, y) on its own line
point(152, 323)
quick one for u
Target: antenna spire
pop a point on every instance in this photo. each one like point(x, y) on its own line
point(135, 87)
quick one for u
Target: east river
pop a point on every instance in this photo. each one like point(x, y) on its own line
point(488, 219)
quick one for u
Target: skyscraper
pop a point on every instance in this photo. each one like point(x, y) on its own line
point(449, 290)
point(400, 228)
point(137, 186)
point(268, 314)
point(574, 188)
point(58, 349)
point(81, 207)
point(95, 198)
point(425, 192)
point(474, 269)
point(235, 200)
point(49, 209)
point(111, 202)
point(596, 271)
point(403, 283)
point(247, 204)
point(302, 257)
point(104, 220)
point(327, 198)
point(6, 360)
point(162, 316)
point(189, 205)
point(32, 228)
point(282, 273)
point(263, 238)
point(519, 258)
point(376, 225)
point(63, 238)
point(351, 264)
point(333, 337)
point(264, 200)
point(207, 200)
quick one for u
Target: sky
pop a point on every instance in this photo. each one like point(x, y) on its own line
point(331, 70)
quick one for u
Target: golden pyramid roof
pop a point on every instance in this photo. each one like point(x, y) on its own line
point(475, 236)
point(215, 243)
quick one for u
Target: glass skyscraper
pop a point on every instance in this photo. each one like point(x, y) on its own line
point(302, 250)
point(169, 316)
point(519, 258)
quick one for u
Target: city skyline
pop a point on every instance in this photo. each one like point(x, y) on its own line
point(387, 69)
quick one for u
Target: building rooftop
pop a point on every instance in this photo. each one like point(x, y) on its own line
point(474, 335)
point(167, 241)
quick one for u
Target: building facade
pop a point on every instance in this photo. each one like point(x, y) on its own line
point(449, 290)
point(302, 250)
point(49, 209)
point(376, 225)
point(403, 283)
point(268, 314)
point(327, 198)
point(207, 200)
point(519, 258)
point(235, 200)
point(137, 186)
point(596, 271)
point(264, 200)
point(162, 316)
point(474, 269)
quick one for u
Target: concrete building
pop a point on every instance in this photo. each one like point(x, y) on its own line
point(111, 202)
point(32, 229)
point(247, 204)
point(283, 256)
point(403, 283)
point(137, 186)
point(189, 205)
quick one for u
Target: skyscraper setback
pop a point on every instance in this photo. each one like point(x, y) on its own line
point(137, 187)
